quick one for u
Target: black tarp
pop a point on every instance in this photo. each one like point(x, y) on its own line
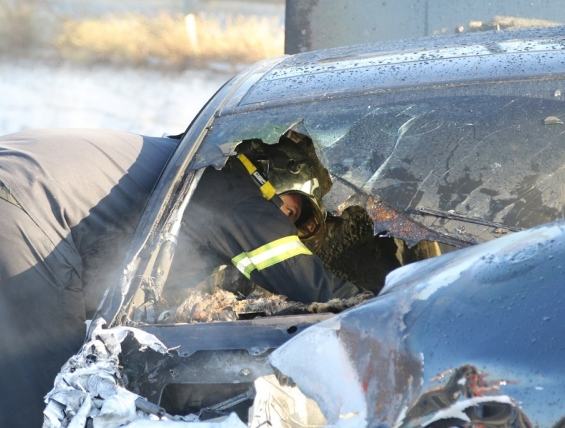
point(79, 194)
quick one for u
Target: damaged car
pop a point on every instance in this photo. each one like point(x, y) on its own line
point(437, 149)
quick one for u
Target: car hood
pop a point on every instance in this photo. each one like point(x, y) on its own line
point(468, 336)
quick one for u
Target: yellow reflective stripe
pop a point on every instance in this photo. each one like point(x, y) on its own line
point(243, 264)
point(291, 252)
point(276, 247)
point(267, 190)
point(247, 163)
point(270, 254)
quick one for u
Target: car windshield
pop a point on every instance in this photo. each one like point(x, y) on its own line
point(490, 152)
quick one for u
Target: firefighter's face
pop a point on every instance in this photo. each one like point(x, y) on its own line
point(292, 206)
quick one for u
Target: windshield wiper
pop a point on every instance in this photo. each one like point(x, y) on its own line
point(452, 215)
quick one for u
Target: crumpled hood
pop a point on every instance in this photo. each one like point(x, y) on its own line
point(473, 333)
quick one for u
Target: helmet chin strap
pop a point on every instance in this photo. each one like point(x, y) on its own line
point(267, 189)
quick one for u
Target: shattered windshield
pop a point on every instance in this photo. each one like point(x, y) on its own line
point(468, 161)
point(413, 171)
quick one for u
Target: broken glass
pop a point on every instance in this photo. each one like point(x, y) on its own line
point(483, 155)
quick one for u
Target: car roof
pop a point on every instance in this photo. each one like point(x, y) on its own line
point(377, 67)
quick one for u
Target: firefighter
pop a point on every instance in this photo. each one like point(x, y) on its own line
point(262, 213)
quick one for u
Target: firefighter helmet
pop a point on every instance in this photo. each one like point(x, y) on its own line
point(292, 166)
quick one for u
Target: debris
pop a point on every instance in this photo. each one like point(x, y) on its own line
point(552, 120)
point(200, 306)
point(341, 397)
point(352, 252)
point(459, 411)
point(116, 410)
point(79, 420)
point(283, 406)
point(90, 386)
point(221, 305)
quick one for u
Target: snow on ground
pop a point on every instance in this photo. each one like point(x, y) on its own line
point(36, 95)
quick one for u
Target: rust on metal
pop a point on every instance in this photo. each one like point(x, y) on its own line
point(398, 225)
